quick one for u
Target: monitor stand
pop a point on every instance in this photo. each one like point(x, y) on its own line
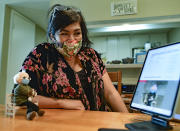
point(155, 124)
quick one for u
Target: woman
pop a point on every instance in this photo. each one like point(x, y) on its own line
point(68, 74)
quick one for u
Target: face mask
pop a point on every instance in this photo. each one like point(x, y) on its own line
point(71, 48)
point(25, 81)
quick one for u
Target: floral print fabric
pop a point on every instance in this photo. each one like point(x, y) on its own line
point(52, 76)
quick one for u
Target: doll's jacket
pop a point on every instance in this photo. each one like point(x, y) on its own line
point(21, 93)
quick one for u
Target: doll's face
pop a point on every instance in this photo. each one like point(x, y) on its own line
point(69, 33)
point(21, 76)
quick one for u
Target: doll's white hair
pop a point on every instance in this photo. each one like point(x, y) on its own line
point(16, 76)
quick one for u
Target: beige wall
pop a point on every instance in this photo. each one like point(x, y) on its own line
point(99, 10)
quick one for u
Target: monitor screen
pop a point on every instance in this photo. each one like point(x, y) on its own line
point(158, 83)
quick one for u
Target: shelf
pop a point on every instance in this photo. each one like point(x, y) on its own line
point(123, 65)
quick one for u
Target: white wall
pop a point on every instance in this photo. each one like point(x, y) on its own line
point(118, 47)
point(1, 23)
point(2, 89)
point(2, 10)
point(4, 48)
point(21, 42)
point(40, 36)
point(4, 53)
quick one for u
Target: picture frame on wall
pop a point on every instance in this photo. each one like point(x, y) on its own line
point(123, 7)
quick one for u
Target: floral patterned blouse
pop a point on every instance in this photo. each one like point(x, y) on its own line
point(52, 76)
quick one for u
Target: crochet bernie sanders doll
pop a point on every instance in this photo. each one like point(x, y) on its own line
point(23, 94)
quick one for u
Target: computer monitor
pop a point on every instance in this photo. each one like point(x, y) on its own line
point(157, 87)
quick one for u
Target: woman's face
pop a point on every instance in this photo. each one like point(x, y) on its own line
point(69, 33)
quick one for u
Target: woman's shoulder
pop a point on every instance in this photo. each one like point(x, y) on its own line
point(91, 52)
point(42, 49)
point(45, 45)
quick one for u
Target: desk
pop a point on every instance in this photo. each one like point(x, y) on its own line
point(70, 120)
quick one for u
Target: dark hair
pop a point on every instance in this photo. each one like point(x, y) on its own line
point(61, 16)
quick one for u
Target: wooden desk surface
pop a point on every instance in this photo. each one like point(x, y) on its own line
point(71, 120)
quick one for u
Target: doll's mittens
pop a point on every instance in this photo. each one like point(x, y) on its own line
point(40, 113)
point(31, 115)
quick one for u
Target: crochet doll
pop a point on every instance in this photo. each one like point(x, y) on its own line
point(23, 95)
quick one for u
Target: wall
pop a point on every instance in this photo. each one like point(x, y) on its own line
point(4, 52)
point(117, 47)
point(174, 35)
point(40, 36)
point(99, 10)
point(4, 46)
point(21, 42)
point(2, 10)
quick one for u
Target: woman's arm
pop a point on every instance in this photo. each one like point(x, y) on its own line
point(47, 102)
point(112, 95)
